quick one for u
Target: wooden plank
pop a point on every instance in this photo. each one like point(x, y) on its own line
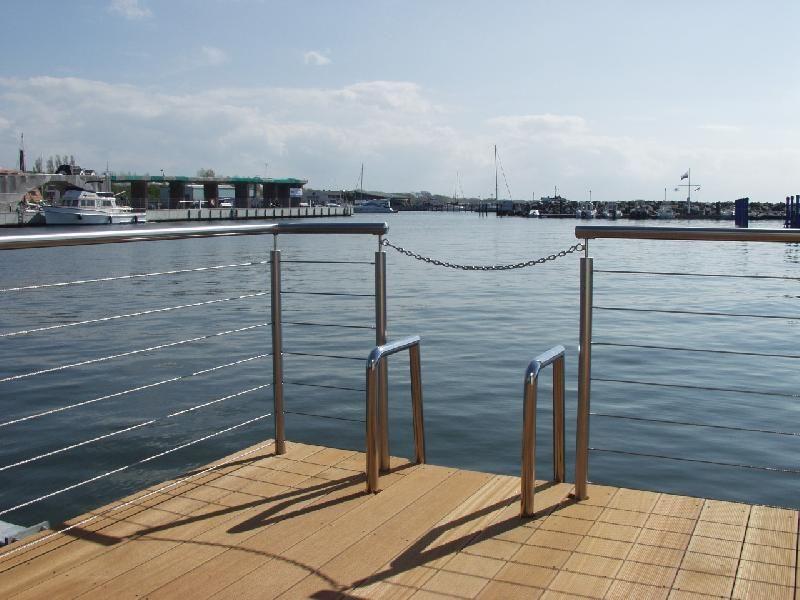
point(419, 535)
point(90, 560)
point(311, 552)
point(302, 525)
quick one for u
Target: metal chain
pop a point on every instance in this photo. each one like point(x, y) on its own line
point(440, 263)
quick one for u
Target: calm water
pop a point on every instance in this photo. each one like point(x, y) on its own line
point(479, 332)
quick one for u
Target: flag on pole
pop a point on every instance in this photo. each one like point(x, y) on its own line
point(685, 176)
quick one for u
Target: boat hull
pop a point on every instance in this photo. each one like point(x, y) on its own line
point(359, 209)
point(71, 216)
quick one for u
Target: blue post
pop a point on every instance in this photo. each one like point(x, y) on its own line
point(742, 212)
point(796, 212)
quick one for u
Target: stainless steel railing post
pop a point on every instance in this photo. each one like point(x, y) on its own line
point(416, 403)
point(558, 422)
point(584, 380)
point(529, 445)
point(373, 434)
point(277, 350)
point(383, 369)
point(555, 357)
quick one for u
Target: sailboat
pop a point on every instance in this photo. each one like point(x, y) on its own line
point(371, 206)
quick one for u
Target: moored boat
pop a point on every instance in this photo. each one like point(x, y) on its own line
point(85, 207)
point(374, 206)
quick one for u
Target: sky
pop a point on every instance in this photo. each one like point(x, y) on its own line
point(617, 97)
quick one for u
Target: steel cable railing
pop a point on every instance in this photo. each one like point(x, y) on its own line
point(694, 424)
point(132, 276)
point(133, 427)
point(129, 466)
point(687, 349)
point(587, 233)
point(319, 355)
point(130, 391)
point(704, 388)
point(137, 499)
point(698, 460)
point(132, 352)
point(675, 311)
point(140, 313)
point(50, 240)
point(681, 274)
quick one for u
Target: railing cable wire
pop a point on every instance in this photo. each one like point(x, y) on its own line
point(305, 414)
point(328, 294)
point(132, 352)
point(127, 503)
point(691, 424)
point(134, 314)
point(326, 325)
point(697, 312)
point(78, 445)
point(132, 390)
point(132, 276)
point(698, 460)
point(127, 429)
point(359, 358)
point(696, 387)
point(330, 262)
point(685, 349)
point(679, 274)
point(133, 464)
point(327, 387)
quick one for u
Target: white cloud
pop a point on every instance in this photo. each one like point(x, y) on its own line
point(130, 9)
point(312, 57)
point(406, 140)
point(544, 123)
point(720, 128)
point(211, 56)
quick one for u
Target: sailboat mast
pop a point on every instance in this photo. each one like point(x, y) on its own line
point(361, 184)
point(496, 197)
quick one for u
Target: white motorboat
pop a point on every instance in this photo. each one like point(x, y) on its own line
point(534, 213)
point(374, 206)
point(585, 210)
point(85, 207)
point(665, 212)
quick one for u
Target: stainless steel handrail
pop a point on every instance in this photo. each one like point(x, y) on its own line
point(587, 232)
point(374, 433)
point(554, 356)
point(717, 234)
point(49, 240)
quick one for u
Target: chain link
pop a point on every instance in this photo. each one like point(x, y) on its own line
point(521, 265)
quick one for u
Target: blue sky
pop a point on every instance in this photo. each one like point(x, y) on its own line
point(617, 97)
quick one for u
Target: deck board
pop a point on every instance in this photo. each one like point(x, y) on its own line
point(301, 525)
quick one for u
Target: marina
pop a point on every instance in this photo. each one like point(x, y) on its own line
point(436, 301)
point(330, 299)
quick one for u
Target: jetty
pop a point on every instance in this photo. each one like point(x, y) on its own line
point(285, 519)
point(302, 525)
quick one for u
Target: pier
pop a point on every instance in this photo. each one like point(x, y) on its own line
point(300, 525)
point(289, 517)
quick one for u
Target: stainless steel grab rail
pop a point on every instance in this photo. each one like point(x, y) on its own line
point(49, 240)
point(375, 434)
point(716, 234)
point(554, 356)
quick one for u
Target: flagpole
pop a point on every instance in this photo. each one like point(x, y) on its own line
point(689, 205)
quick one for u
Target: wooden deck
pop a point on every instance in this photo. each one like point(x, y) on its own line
point(302, 526)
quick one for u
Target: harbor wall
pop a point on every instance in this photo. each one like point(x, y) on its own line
point(15, 219)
